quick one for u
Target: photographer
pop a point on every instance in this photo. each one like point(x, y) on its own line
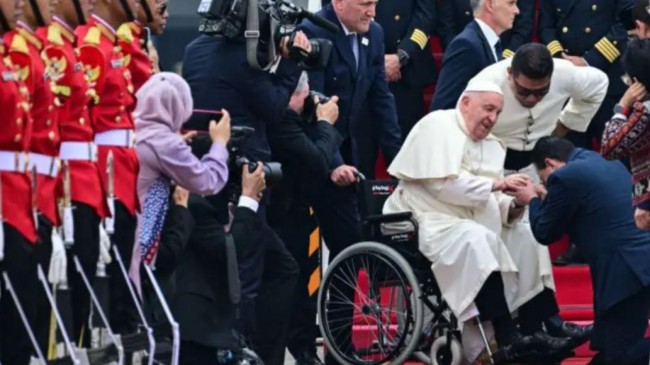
point(305, 142)
point(201, 304)
point(164, 104)
point(219, 76)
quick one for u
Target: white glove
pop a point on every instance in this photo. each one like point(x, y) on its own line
point(58, 262)
point(104, 246)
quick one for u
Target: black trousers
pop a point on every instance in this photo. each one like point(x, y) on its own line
point(622, 329)
point(337, 211)
point(86, 248)
point(294, 229)
point(193, 353)
point(123, 318)
point(20, 265)
point(43, 254)
point(533, 313)
point(268, 278)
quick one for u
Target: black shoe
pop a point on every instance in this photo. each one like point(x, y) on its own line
point(526, 349)
point(577, 334)
point(571, 257)
point(308, 358)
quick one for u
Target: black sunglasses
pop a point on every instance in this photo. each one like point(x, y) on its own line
point(524, 92)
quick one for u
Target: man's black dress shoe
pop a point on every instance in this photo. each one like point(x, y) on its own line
point(527, 348)
point(308, 358)
point(571, 257)
point(576, 333)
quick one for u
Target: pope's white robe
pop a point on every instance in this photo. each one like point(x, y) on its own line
point(445, 181)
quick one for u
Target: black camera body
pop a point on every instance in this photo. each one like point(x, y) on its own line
point(277, 19)
point(309, 109)
point(237, 161)
point(224, 17)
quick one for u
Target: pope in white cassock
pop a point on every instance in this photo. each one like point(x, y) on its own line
point(451, 178)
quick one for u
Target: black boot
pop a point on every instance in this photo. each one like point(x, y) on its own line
point(308, 357)
point(577, 334)
point(571, 257)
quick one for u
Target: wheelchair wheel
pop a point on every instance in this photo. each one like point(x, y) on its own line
point(370, 286)
point(446, 350)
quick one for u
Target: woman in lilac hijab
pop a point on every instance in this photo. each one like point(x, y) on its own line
point(164, 104)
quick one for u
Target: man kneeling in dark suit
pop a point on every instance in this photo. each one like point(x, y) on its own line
point(590, 198)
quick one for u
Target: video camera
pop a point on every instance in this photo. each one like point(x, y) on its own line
point(272, 170)
point(277, 19)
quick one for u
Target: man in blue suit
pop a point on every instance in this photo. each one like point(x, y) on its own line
point(589, 198)
point(454, 15)
point(475, 48)
point(355, 73)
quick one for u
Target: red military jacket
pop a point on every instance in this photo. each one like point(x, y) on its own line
point(113, 103)
point(15, 137)
point(25, 49)
point(132, 41)
point(75, 124)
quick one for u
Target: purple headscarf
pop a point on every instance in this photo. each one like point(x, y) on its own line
point(164, 103)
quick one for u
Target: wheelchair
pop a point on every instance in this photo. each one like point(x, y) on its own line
point(381, 287)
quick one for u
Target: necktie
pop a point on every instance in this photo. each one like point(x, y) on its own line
point(499, 50)
point(355, 48)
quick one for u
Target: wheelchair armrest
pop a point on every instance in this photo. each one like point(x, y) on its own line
point(389, 218)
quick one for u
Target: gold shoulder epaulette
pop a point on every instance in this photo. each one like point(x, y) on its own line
point(54, 34)
point(19, 44)
point(93, 36)
point(125, 33)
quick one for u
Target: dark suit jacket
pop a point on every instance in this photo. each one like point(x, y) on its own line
point(407, 25)
point(367, 84)
point(456, 14)
point(306, 148)
point(173, 240)
point(201, 305)
point(305, 152)
point(590, 199)
point(466, 56)
point(220, 77)
point(590, 29)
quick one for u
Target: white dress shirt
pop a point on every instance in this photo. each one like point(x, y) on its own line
point(520, 128)
point(490, 35)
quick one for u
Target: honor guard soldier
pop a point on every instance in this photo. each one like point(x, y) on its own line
point(84, 203)
point(455, 14)
point(17, 228)
point(133, 38)
point(409, 62)
point(25, 48)
point(111, 113)
point(588, 32)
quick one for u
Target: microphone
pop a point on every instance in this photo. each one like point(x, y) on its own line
point(320, 21)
